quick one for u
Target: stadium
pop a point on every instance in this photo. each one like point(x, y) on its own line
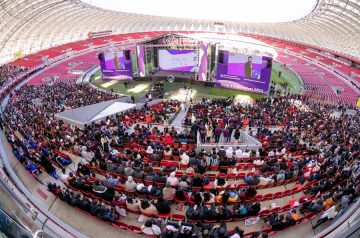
point(185, 119)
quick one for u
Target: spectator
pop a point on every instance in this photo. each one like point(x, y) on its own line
point(184, 159)
point(98, 188)
point(172, 179)
point(132, 204)
point(168, 192)
point(162, 206)
point(147, 208)
point(151, 227)
point(130, 184)
point(220, 183)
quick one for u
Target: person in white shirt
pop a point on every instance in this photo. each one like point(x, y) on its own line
point(271, 153)
point(258, 162)
point(229, 152)
point(246, 154)
point(265, 180)
point(193, 118)
point(172, 179)
point(283, 151)
point(184, 159)
point(257, 153)
point(151, 227)
point(238, 153)
point(64, 176)
point(329, 214)
point(103, 140)
point(149, 150)
point(88, 156)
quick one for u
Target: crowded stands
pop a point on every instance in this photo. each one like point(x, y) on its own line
point(126, 120)
point(137, 163)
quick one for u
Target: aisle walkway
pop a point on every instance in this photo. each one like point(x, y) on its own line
point(177, 122)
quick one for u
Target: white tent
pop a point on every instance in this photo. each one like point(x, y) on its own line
point(94, 113)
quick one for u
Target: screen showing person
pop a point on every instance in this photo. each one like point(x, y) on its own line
point(115, 65)
point(249, 67)
point(243, 72)
point(116, 61)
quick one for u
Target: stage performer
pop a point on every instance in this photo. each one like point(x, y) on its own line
point(249, 67)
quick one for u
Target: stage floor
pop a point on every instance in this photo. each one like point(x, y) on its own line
point(140, 88)
point(176, 74)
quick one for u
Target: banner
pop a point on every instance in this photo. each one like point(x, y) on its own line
point(203, 62)
point(18, 54)
point(140, 50)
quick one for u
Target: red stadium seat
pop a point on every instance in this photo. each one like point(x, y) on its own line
point(164, 216)
point(121, 225)
point(135, 229)
point(264, 213)
point(178, 217)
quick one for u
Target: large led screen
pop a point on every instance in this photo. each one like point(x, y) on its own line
point(243, 72)
point(178, 60)
point(116, 65)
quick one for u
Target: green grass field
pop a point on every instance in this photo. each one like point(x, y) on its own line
point(140, 88)
point(290, 78)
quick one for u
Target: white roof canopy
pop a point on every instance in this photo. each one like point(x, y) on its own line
point(32, 25)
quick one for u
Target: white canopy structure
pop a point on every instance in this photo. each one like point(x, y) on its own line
point(94, 113)
point(32, 25)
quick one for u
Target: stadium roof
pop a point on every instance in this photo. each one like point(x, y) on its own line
point(32, 25)
point(226, 10)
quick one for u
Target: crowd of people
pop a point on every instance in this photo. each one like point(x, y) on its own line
point(224, 117)
point(335, 188)
point(136, 162)
point(9, 73)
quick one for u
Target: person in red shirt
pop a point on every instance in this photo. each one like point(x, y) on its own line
point(147, 118)
point(168, 139)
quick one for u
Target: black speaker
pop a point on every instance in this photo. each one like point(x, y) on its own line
point(149, 55)
point(127, 54)
point(269, 63)
point(101, 56)
point(156, 58)
point(213, 57)
point(221, 57)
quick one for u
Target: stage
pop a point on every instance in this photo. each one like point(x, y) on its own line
point(179, 77)
point(86, 115)
point(163, 74)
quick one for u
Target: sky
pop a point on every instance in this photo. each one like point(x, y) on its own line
point(228, 10)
